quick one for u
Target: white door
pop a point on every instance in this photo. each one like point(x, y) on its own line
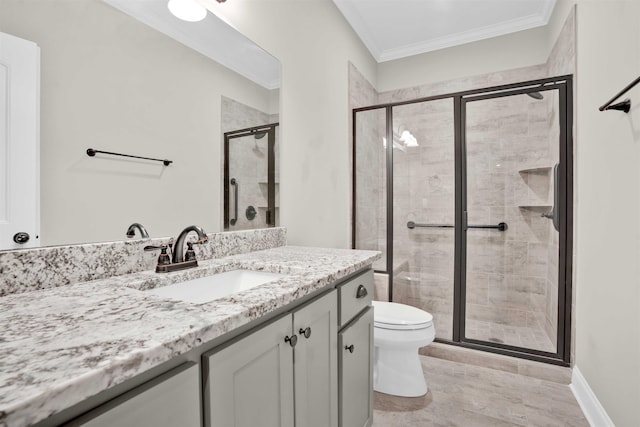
point(19, 143)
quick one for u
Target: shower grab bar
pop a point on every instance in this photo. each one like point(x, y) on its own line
point(500, 227)
point(554, 214)
point(234, 182)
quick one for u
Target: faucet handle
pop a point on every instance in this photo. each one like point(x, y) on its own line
point(190, 255)
point(163, 258)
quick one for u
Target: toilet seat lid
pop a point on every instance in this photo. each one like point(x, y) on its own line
point(391, 315)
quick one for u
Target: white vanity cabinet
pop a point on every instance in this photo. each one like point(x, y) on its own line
point(309, 365)
point(316, 363)
point(172, 399)
point(355, 351)
point(356, 367)
point(253, 381)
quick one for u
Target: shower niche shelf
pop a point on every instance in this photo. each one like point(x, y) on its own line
point(537, 169)
point(536, 203)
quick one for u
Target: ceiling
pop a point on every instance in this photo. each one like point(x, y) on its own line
point(390, 29)
point(394, 29)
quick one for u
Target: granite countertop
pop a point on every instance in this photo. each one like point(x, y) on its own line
point(62, 345)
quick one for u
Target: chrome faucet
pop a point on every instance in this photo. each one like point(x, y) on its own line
point(131, 231)
point(178, 247)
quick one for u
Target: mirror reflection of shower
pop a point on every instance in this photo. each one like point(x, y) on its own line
point(251, 151)
point(250, 158)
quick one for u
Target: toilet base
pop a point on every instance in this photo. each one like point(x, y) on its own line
point(398, 372)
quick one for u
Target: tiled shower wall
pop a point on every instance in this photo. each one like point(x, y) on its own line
point(512, 276)
point(248, 163)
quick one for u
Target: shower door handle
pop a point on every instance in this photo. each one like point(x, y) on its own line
point(234, 182)
point(413, 225)
point(554, 215)
point(503, 226)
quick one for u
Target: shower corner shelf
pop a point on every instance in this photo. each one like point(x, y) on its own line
point(537, 169)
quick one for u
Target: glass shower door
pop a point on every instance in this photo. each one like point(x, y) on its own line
point(512, 242)
point(469, 197)
point(424, 209)
point(370, 195)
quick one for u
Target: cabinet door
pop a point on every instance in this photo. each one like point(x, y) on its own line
point(316, 363)
point(250, 382)
point(172, 399)
point(356, 372)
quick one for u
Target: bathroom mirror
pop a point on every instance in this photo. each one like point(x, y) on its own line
point(140, 83)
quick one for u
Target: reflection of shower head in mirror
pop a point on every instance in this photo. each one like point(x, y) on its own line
point(256, 147)
point(535, 95)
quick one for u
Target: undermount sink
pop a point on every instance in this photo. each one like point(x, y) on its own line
point(216, 286)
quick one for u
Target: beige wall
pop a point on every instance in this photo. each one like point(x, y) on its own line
point(607, 259)
point(111, 83)
point(314, 44)
point(516, 50)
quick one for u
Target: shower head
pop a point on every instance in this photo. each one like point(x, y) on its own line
point(259, 135)
point(535, 95)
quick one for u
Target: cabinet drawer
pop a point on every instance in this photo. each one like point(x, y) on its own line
point(355, 295)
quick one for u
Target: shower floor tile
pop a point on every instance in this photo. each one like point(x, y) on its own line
point(519, 336)
point(468, 395)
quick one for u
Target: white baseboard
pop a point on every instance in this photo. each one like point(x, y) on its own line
point(593, 410)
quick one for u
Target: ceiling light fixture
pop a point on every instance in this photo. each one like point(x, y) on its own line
point(187, 10)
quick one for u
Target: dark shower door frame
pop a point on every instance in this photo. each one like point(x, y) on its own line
point(564, 85)
point(270, 130)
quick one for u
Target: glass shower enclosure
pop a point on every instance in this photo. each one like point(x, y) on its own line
point(468, 196)
point(251, 178)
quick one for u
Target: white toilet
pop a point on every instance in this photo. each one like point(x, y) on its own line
point(399, 331)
